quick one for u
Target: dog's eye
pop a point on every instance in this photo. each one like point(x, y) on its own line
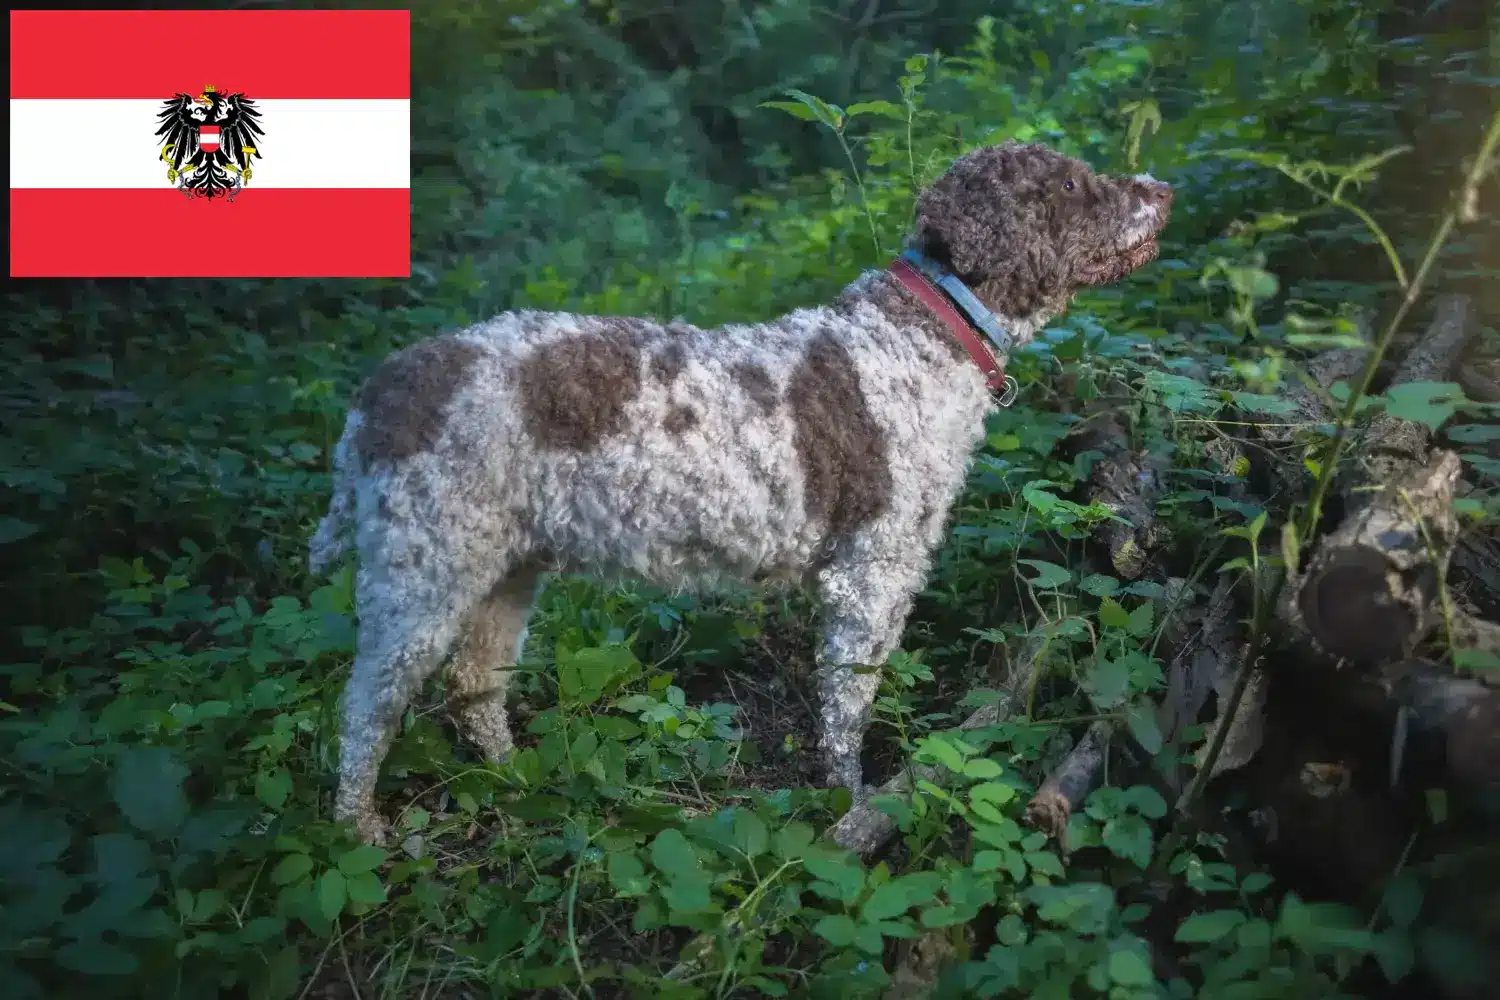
point(1067, 185)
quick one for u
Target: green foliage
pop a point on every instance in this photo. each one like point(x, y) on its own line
point(171, 696)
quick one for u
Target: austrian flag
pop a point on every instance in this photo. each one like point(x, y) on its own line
point(210, 143)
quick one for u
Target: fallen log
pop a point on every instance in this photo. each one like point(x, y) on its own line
point(1370, 593)
point(1465, 710)
point(1128, 483)
point(1070, 783)
point(1392, 446)
point(1467, 631)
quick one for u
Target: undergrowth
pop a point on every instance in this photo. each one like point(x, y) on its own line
point(170, 703)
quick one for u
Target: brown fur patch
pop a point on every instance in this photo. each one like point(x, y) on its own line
point(405, 400)
point(840, 446)
point(668, 363)
point(756, 382)
point(574, 393)
point(680, 420)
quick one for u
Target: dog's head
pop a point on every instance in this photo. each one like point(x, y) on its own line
point(1025, 227)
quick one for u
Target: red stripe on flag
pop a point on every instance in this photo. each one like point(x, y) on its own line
point(265, 54)
point(269, 233)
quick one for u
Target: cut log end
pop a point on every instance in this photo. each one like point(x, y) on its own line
point(1350, 608)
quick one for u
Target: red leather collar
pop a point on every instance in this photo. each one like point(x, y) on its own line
point(916, 283)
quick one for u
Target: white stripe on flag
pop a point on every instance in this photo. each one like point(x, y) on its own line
point(307, 144)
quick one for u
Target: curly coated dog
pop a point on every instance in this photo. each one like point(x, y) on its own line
point(824, 447)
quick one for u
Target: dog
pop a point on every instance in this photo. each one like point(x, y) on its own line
point(822, 448)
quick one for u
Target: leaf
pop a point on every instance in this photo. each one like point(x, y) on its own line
point(586, 674)
point(1141, 619)
point(837, 929)
point(627, 874)
point(1393, 950)
point(364, 858)
point(1403, 899)
point(1045, 862)
point(1254, 402)
point(829, 114)
point(1049, 575)
point(365, 887)
point(1128, 967)
point(885, 108)
point(1206, 928)
point(1112, 614)
point(616, 728)
point(148, 789)
point(801, 111)
point(887, 901)
point(750, 834)
point(1129, 837)
point(1099, 585)
point(273, 787)
point(995, 792)
point(332, 893)
point(943, 916)
point(1145, 800)
point(687, 894)
point(1001, 442)
point(1322, 928)
point(1085, 907)
point(672, 854)
point(291, 869)
point(938, 750)
point(1107, 683)
point(1427, 403)
point(1140, 717)
point(791, 841)
point(1255, 882)
point(981, 768)
point(845, 878)
point(13, 529)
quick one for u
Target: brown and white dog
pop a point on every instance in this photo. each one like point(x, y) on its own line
point(824, 447)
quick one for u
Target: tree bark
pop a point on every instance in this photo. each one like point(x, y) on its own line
point(1370, 593)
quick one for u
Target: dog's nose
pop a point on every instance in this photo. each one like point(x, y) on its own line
point(1154, 192)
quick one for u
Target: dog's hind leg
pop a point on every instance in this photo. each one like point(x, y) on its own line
point(408, 623)
point(489, 649)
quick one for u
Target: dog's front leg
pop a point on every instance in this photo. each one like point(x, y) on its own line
point(864, 612)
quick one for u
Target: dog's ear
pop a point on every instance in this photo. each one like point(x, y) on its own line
point(989, 221)
point(972, 219)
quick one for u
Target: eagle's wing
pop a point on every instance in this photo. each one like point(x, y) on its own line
point(239, 129)
point(178, 130)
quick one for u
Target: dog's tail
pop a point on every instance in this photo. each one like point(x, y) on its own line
point(333, 538)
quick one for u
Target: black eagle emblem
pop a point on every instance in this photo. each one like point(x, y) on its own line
point(208, 141)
